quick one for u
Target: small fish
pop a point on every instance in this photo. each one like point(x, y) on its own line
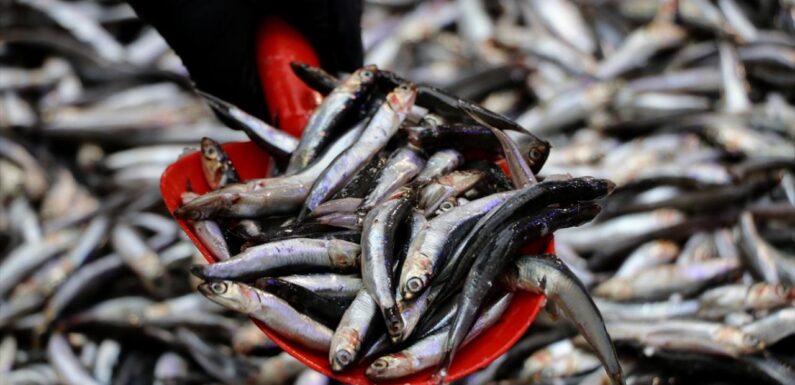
point(378, 244)
point(688, 336)
point(662, 281)
point(66, 363)
point(773, 328)
point(142, 259)
point(401, 167)
point(328, 115)
point(258, 261)
point(353, 329)
point(428, 351)
point(547, 275)
point(276, 142)
point(379, 130)
point(272, 311)
point(327, 284)
point(440, 163)
point(326, 310)
point(447, 186)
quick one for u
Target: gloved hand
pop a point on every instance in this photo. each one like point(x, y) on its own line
point(216, 39)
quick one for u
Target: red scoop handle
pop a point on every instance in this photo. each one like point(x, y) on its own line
point(289, 100)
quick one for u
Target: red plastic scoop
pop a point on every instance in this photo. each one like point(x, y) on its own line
point(290, 103)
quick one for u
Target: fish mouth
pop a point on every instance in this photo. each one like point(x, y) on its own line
point(395, 324)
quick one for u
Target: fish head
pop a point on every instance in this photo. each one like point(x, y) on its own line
point(418, 273)
point(229, 294)
point(207, 205)
point(401, 99)
point(344, 352)
point(212, 161)
point(366, 75)
point(538, 153)
point(343, 254)
point(390, 366)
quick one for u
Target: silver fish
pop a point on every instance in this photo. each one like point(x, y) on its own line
point(259, 260)
point(401, 167)
point(440, 163)
point(271, 310)
point(329, 114)
point(379, 130)
point(352, 331)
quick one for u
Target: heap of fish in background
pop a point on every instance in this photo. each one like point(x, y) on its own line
point(684, 105)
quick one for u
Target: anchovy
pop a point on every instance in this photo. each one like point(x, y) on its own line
point(337, 206)
point(257, 197)
point(328, 115)
point(326, 310)
point(687, 335)
point(547, 275)
point(491, 259)
point(141, 259)
point(401, 167)
point(759, 296)
point(426, 251)
point(648, 255)
point(66, 364)
point(447, 186)
point(428, 351)
point(272, 311)
point(647, 311)
point(378, 243)
point(662, 281)
point(277, 143)
point(440, 163)
point(773, 328)
point(209, 233)
point(527, 199)
point(327, 284)
point(353, 329)
point(24, 259)
point(259, 260)
point(379, 130)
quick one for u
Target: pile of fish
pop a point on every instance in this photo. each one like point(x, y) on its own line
point(685, 105)
point(425, 230)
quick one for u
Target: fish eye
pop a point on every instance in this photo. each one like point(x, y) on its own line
point(380, 364)
point(210, 151)
point(218, 287)
point(446, 206)
point(367, 74)
point(535, 154)
point(403, 87)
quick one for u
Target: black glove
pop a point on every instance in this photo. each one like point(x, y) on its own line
point(216, 39)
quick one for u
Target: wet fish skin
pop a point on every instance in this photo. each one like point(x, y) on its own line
point(258, 197)
point(447, 186)
point(259, 260)
point(378, 244)
point(141, 259)
point(426, 251)
point(353, 329)
point(326, 310)
point(328, 284)
point(440, 163)
point(427, 352)
point(547, 275)
point(277, 143)
point(492, 258)
point(401, 167)
point(271, 310)
point(379, 130)
point(527, 199)
point(328, 115)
